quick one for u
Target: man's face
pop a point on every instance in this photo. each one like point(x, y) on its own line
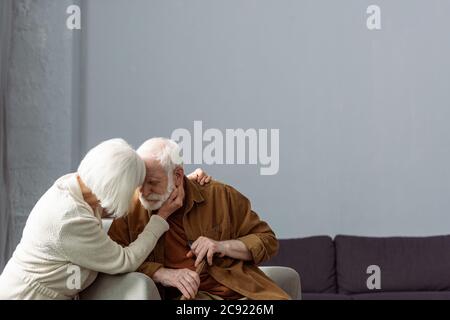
point(157, 187)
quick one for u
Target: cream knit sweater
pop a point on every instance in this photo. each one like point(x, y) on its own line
point(63, 238)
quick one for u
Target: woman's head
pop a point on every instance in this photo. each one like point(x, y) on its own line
point(112, 171)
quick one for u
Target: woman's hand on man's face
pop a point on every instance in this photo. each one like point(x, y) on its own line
point(173, 203)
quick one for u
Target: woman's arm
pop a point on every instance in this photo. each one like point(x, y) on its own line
point(85, 244)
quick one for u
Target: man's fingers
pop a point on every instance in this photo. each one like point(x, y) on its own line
point(183, 290)
point(196, 244)
point(190, 287)
point(190, 254)
point(210, 256)
point(200, 257)
point(195, 278)
point(196, 250)
point(201, 247)
point(208, 179)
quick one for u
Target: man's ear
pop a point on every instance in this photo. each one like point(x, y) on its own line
point(178, 175)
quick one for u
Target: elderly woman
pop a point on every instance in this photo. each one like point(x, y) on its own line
point(63, 236)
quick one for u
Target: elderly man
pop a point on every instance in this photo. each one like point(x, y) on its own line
point(215, 224)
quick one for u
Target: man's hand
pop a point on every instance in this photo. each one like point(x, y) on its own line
point(204, 246)
point(173, 203)
point(185, 280)
point(207, 247)
point(200, 176)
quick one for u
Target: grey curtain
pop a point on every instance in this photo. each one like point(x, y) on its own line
point(5, 217)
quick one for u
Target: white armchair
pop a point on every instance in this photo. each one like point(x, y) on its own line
point(138, 286)
point(129, 286)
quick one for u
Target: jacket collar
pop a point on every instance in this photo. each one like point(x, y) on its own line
point(192, 194)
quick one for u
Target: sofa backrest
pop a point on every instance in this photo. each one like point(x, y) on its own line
point(405, 263)
point(313, 258)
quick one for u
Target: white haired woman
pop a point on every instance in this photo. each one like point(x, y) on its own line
point(63, 236)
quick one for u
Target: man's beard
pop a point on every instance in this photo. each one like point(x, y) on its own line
point(158, 200)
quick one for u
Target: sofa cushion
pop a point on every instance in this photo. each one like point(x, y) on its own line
point(325, 296)
point(406, 263)
point(414, 295)
point(313, 259)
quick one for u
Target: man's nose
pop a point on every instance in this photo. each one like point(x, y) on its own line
point(145, 191)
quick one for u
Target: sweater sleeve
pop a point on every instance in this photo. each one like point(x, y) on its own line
point(84, 243)
point(120, 233)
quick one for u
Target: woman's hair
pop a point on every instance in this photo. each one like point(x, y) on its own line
point(113, 171)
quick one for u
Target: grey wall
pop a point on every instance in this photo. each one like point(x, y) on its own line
point(363, 115)
point(5, 212)
point(42, 86)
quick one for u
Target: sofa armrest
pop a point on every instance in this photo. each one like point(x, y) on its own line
point(129, 286)
point(286, 278)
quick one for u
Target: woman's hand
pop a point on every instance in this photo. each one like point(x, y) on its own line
point(200, 176)
point(173, 203)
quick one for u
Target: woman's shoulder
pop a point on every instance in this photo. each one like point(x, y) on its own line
point(62, 207)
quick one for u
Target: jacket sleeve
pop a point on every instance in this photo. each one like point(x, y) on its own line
point(149, 268)
point(120, 233)
point(250, 229)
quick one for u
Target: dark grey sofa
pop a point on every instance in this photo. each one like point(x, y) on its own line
point(410, 267)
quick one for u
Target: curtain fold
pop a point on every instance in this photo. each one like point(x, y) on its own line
point(5, 214)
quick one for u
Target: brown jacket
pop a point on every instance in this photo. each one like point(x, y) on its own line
point(219, 212)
